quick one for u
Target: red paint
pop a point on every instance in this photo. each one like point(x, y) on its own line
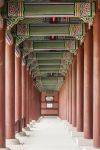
point(44, 109)
point(67, 96)
point(1, 3)
point(63, 101)
point(96, 81)
point(2, 88)
point(88, 84)
point(70, 94)
point(23, 94)
point(18, 93)
point(36, 103)
point(49, 112)
point(10, 89)
point(74, 92)
point(27, 96)
point(80, 87)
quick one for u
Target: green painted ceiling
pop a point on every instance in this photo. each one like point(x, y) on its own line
point(47, 35)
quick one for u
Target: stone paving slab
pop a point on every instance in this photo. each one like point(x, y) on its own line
point(49, 134)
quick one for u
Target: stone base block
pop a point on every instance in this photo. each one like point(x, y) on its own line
point(76, 134)
point(88, 148)
point(20, 134)
point(80, 141)
point(59, 119)
point(16, 147)
point(32, 123)
point(70, 128)
point(68, 124)
point(31, 126)
point(12, 142)
point(40, 118)
point(26, 129)
point(38, 121)
point(5, 148)
point(64, 121)
point(28, 125)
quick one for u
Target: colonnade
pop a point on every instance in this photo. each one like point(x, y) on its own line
point(82, 86)
point(19, 98)
point(79, 97)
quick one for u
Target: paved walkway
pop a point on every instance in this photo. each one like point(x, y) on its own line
point(49, 134)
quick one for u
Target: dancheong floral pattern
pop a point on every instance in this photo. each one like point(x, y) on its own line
point(12, 9)
point(15, 9)
point(82, 9)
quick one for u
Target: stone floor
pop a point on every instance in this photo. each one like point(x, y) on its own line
point(48, 134)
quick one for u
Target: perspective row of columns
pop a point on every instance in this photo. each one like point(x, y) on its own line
point(82, 86)
point(19, 98)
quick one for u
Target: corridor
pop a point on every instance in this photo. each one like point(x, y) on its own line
point(48, 134)
point(49, 66)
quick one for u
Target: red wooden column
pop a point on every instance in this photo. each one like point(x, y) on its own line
point(96, 80)
point(65, 101)
point(18, 91)
point(2, 83)
point(80, 87)
point(36, 104)
point(10, 87)
point(67, 96)
point(88, 84)
point(33, 103)
point(70, 94)
point(1, 3)
point(31, 98)
point(27, 96)
point(24, 93)
point(74, 92)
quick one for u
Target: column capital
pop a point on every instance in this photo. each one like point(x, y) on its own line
point(1, 22)
point(23, 62)
point(74, 60)
point(1, 29)
point(17, 52)
point(27, 68)
point(30, 72)
point(9, 37)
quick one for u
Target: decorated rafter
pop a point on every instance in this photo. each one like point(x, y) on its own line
point(47, 35)
point(30, 9)
point(16, 8)
point(76, 30)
